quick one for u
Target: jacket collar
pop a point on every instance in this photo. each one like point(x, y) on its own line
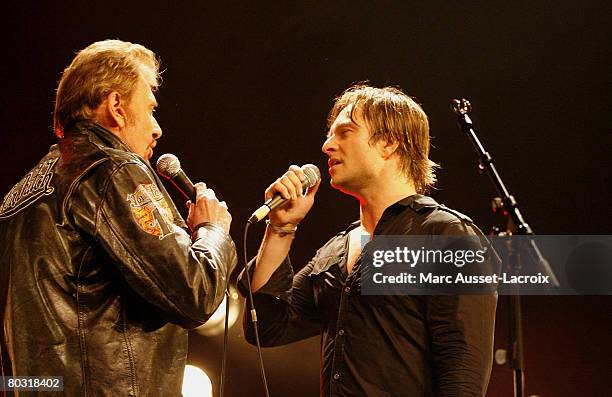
point(90, 127)
point(417, 202)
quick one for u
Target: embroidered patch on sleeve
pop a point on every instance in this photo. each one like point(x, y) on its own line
point(150, 210)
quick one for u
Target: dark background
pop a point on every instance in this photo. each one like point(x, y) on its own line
point(247, 86)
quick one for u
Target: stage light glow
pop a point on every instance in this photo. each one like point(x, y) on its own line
point(214, 325)
point(196, 383)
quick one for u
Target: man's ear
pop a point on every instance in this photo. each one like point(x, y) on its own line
point(387, 148)
point(115, 108)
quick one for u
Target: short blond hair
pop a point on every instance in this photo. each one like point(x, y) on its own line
point(393, 116)
point(95, 72)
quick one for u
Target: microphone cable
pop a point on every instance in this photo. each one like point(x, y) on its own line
point(253, 312)
point(225, 340)
point(169, 166)
point(312, 176)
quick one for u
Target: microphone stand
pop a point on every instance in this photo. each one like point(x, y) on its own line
point(516, 225)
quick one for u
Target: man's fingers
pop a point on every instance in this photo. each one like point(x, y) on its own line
point(210, 194)
point(313, 190)
point(298, 172)
point(289, 186)
point(295, 182)
point(280, 188)
point(203, 192)
point(289, 182)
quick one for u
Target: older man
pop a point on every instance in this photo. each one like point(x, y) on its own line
point(103, 274)
point(373, 345)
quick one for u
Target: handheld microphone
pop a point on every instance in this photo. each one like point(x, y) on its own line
point(169, 166)
point(312, 174)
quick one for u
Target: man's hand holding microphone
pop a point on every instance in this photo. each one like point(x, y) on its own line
point(203, 205)
point(297, 187)
point(288, 200)
point(207, 209)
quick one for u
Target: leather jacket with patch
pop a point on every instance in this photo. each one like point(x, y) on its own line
point(99, 277)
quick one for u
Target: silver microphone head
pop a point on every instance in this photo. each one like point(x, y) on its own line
point(312, 174)
point(168, 165)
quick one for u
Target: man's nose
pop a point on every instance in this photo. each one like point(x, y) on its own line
point(157, 131)
point(329, 144)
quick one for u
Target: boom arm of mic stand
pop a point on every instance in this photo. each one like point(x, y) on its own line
point(462, 108)
point(515, 328)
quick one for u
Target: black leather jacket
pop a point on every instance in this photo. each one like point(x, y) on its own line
point(103, 279)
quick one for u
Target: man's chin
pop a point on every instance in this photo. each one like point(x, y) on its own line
point(343, 186)
point(336, 183)
point(148, 154)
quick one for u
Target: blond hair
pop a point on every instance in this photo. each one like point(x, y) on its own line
point(393, 116)
point(95, 72)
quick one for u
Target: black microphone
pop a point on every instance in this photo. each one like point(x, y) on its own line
point(312, 174)
point(169, 166)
